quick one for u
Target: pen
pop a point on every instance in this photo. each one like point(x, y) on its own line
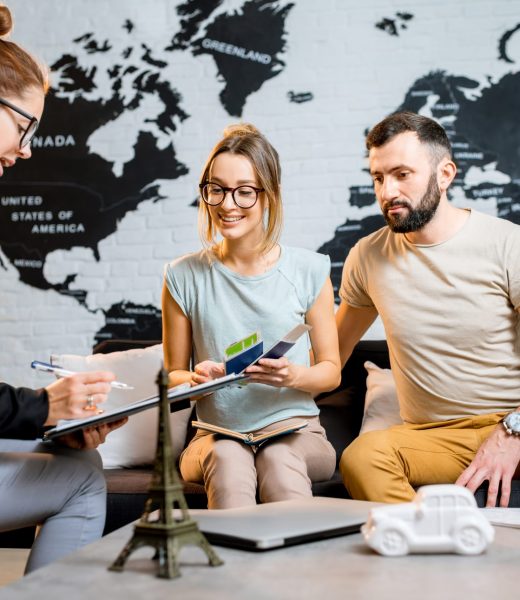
point(41, 366)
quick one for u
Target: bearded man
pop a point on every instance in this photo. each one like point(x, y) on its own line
point(446, 283)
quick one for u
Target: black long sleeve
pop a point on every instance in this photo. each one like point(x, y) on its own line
point(22, 412)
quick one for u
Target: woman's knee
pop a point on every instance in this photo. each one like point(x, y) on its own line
point(282, 474)
point(229, 474)
point(85, 456)
point(84, 470)
point(227, 455)
point(275, 455)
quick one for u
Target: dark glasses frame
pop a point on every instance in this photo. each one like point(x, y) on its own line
point(30, 130)
point(225, 190)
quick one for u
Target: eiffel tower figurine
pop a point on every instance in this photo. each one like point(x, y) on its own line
point(168, 533)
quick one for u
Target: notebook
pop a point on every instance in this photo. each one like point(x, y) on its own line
point(280, 524)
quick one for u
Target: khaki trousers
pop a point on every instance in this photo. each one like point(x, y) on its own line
point(281, 469)
point(386, 466)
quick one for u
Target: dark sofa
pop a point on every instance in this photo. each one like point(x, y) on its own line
point(341, 415)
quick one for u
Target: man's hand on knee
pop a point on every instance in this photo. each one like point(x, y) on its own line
point(495, 461)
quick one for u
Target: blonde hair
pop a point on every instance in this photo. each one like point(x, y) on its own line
point(19, 71)
point(245, 140)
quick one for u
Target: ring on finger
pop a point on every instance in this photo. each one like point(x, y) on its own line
point(89, 405)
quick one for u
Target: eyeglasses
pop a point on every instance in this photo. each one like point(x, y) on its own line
point(30, 130)
point(244, 196)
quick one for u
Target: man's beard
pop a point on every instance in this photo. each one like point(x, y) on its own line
point(416, 218)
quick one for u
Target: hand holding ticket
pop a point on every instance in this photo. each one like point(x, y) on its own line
point(248, 351)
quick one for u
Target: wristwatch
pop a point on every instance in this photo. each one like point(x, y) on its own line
point(511, 423)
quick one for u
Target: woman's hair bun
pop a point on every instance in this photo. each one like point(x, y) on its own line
point(6, 22)
point(240, 129)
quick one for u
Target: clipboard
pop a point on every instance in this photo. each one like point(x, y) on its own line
point(176, 396)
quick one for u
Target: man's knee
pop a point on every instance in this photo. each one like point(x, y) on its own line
point(359, 455)
point(364, 460)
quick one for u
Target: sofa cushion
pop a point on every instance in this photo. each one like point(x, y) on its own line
point(381, 403)
point(341, 415)
point(341, 411)
point(135, 443)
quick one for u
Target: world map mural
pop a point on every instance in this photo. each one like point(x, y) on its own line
point(70, 196)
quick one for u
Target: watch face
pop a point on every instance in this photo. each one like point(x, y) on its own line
point(513, 421)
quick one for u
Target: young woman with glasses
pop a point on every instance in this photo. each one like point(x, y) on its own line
point(246, 282)
point(54, 486)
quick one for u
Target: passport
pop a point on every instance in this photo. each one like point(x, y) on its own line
point(249, 350)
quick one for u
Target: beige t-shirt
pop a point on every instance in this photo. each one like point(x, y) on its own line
point(451, 315)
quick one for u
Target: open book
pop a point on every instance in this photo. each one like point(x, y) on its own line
point(251, 439)
point(179, 398)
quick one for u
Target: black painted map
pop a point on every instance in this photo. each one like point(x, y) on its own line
point(67, 196)
point(484, 132)
point(246, 48)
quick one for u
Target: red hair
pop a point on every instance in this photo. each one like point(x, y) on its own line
point(19, 71)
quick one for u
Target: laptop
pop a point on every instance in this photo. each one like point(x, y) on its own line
point(280, 524)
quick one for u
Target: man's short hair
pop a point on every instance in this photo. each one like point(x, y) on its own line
point(427, 130)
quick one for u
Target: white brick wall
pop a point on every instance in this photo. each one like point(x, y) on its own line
point(356, 73)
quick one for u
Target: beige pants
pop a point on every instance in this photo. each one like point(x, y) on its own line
point(386, 466)
point(281, 469)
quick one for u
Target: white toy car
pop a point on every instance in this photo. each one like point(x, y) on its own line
point(442, 518)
